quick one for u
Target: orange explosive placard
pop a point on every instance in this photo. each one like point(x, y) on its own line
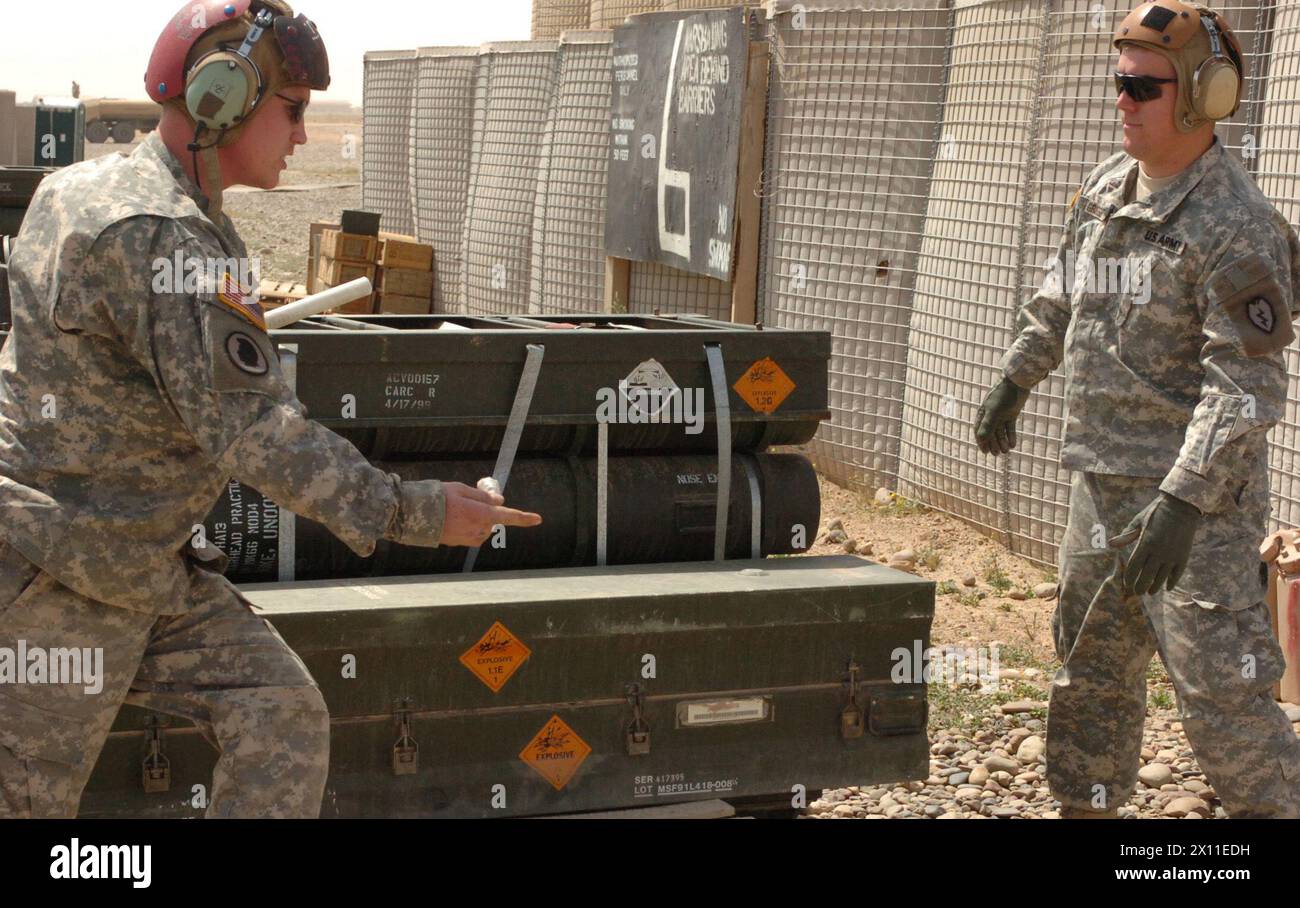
point(764, 386)
point(496, 656)
point(555, 752)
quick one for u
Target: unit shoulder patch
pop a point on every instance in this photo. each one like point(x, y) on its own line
point(1250, 296)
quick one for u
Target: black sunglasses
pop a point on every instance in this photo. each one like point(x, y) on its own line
point(296, 108)
point(1139, 88)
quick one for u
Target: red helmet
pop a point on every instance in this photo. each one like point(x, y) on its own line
point(303, 53)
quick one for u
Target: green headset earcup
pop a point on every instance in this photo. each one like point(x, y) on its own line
point(219, 91)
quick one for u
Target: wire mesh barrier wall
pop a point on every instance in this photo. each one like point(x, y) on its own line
point(679, 5)
point(512, 103)
point(611, 13)
point(389, 84)
point(652, 286)
point(568, 254)
point(853, 108)
point(442, 120)
point(1278, 176)
point(553, 17)
point(965, 301)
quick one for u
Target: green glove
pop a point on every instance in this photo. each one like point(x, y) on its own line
point(1164, 530)
point(995, 423)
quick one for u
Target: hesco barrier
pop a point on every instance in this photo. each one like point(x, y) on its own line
point(442, 121)
point(653, 287)
point(965, 299)
point(409, 387)
point(661, 509)
point(568, 258)
point(512, 101)
point(851, 128)
point(553, 17)
point(1278, 175)
point(389, 86)
point(611, 13)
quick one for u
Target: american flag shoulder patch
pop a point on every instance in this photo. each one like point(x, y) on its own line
point(233, 298)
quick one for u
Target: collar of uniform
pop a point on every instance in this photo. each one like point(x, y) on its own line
point(156, 151)
point(154, 147)
point(1161, 204)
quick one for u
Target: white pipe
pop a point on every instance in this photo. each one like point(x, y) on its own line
point(319, 302)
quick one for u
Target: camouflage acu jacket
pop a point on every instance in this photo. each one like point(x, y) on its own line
point(1170, 320)
point(127, 403)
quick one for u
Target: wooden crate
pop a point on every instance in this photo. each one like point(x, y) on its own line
point(396, 304)
point(332, 272)
point(277, 293)
point(398, 251)
point(353, 247)
point(407, 282)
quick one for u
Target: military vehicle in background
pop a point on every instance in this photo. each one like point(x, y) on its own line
point(119, 119)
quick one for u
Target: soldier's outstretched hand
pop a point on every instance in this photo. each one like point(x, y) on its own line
point(472, 513)
point(995, 423)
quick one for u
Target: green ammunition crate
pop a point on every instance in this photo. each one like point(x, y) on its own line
point(568, 690)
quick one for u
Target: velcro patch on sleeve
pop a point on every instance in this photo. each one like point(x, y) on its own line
point(240, 357)
point(1257, 307)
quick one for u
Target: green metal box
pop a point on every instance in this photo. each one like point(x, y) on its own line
point(542, 692)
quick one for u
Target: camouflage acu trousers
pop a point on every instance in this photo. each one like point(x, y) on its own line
point(218, 665)
point(1213, 635)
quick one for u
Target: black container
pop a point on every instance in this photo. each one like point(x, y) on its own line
point(363, 223)
point(660, 509)
point(18, 185)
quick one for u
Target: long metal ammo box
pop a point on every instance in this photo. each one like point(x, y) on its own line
point(415, 385)
point(540, 692)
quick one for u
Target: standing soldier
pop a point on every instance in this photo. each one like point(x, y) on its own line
point(1174, 374)
point(129, 396)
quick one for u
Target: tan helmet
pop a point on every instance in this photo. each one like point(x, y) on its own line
point(1203, 50)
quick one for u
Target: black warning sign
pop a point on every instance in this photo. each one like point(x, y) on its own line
point(679, 85)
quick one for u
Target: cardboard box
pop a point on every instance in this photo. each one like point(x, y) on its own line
point(400, 251)
point(407, 282)
point(396, 304)
point(352, 247)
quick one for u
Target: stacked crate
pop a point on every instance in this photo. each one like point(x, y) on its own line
point(346, 257)
point(405, 275)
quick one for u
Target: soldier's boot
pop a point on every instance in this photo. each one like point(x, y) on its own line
point(1076, 813)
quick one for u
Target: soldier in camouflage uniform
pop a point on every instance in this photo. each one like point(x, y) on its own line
point(126, 404)
point(1174, 374)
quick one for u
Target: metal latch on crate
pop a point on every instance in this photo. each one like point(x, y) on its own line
point(156, 771)
point(638, 730)
point(851, 719)
point(406, 752)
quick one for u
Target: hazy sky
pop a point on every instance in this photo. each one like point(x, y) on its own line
point(106, 47)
